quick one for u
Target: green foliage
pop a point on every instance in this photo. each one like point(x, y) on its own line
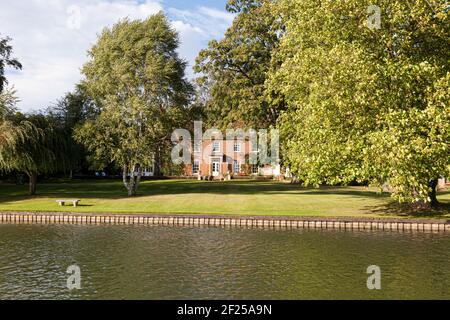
point(74, 108)
point(137, 79)
point(8, 102)
point(234, 69)
point(365, 104)
point(36, 143)
point(13, 133)
point(28, 143)
point(9, 133)
point(68, 114)
point(41, 149)
point(22, 145)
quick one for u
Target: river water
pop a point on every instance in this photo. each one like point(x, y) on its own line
point(144, 262)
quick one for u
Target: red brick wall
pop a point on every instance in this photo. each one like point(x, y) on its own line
point(226, 151)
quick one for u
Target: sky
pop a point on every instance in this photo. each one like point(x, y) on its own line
point(51, 37)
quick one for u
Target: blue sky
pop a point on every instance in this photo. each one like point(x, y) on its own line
point(51, 37)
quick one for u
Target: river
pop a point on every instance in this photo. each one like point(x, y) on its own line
point(145, 262)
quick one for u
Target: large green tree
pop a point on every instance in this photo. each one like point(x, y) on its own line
point(44, 150)
point(6, 60)
point(366, 102)
point(233, 71)
point(138, 81)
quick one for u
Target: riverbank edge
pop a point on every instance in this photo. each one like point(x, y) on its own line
point(342, 223)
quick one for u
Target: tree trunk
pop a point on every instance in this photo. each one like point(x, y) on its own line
point(128, 180)
point(32, 183)
point(131, 182)
point(433, 193)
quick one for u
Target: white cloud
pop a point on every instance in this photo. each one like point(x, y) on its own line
point(197, 28)
point(217, 14)
point(211, 21)
point(192, 41)
point(51, 38)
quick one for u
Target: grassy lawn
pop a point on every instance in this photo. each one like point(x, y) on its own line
point(194, 197)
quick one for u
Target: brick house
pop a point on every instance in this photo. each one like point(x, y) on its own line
point(218, 158)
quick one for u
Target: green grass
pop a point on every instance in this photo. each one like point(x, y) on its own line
point(194, 197)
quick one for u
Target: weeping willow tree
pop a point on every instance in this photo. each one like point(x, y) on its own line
point(28, 143)
point(42, 150)
point(13, 134)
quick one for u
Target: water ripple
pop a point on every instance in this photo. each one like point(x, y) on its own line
point(143, 262)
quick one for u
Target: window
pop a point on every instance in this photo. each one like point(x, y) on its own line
point(147, 172)
point(237, 166)
point(197, 146)
point(216, 146)
point(255, 169)
point(237, 147)
point(216, 166)
point(196, 167)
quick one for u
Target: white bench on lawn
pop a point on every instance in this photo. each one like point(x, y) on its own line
point(62, 203)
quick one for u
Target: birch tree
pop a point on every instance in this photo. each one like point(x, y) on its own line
point(138, 81)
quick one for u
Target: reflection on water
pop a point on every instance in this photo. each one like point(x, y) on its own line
point(142, 262)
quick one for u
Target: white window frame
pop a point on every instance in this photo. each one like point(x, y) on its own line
point(236, 166)
point(214, 162)
point(237, 147)
point(196, 167)
point(216, 147)
point(253, 169)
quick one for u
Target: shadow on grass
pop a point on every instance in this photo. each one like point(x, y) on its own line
point(79, 205)
point(442, 211)
point(115, 190)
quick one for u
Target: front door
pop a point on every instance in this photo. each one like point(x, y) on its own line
point(215, 168)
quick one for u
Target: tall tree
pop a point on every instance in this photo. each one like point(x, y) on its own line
point(234, 70)
point(366, 101)
point(137, 78)
point(6, 60)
